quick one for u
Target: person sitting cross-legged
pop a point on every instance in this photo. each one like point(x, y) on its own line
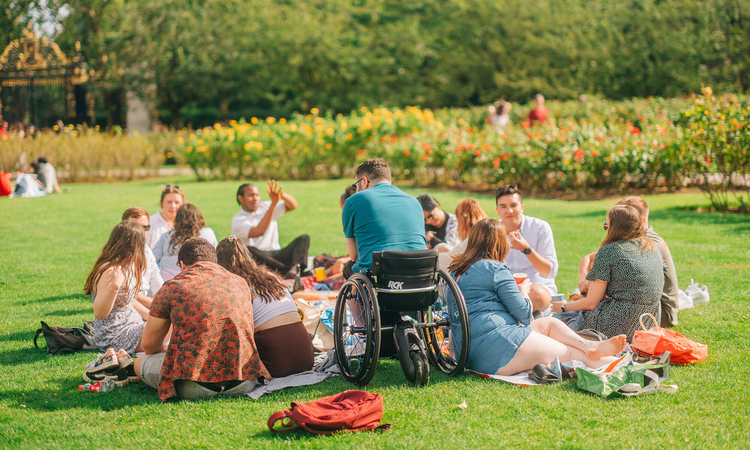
point(257, 227)
point(212, 351)
point(532, 246)
point(669, 292)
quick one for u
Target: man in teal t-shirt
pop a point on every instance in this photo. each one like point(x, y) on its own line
point(379, 216)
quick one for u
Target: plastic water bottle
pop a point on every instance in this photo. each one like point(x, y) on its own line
point(104, 385)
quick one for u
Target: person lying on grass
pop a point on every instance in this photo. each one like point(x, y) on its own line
point(283, 343)
point(212, 351)
point(669, 292)
point(113, 284)
point(626, 280)
point(504, 339)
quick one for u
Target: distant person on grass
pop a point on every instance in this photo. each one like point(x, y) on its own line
point(212, 351)
point(626, 280)
point(539, 112)
point(379, 217)
point(499, 116)
point(48, 176)
point(532, 246)
point(669, 293)
point(151, 279)
point(172, 198)
point(188, 223)
point(257, 227)
point(504, 339)
point(282, 340)
point(113, 284)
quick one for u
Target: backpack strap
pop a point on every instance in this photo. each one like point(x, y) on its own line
point(287, 427)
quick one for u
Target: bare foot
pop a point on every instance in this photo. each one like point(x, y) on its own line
point(609, 347)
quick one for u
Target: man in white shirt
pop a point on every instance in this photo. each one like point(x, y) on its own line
point(257, 227)
point(532, 247)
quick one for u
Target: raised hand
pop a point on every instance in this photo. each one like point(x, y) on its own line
point(517, 241)
point(275, 191)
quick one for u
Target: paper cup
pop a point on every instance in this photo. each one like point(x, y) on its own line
point(520, 277)
point(320, 274)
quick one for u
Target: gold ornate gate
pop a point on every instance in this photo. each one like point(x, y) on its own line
point(39, 85)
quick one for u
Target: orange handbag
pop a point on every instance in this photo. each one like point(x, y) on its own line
point(658, 340)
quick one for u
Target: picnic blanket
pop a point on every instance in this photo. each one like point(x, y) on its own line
point(324, 367)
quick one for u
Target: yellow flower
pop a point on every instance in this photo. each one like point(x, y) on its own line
point(179, 139)
point(246, 146)
point(328, 146)
point(234, 155)
point(254, 133)
point(270, 120)
point(319, 120)
point(344, 125)
point(232, 122)
point(293, 127)
point(329, 131)
point(348, 136)
point(254, 121)
point(319, 128)
point(282, 120)
point(314, 111)
point(169, 154)
point(191, 136)
point(247, 157)
point(363, 109)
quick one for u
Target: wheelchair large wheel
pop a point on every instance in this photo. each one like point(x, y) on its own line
point(447, 333)
point(356, 329)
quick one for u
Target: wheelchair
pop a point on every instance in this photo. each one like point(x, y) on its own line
point(369, 310)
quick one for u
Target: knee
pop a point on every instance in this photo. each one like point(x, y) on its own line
point(303, 240)
point(540, 298)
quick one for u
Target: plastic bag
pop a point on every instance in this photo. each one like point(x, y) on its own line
point(622, 377)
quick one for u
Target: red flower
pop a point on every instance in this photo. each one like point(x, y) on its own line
point(471, 130)
point(504, 157)
point(579, 155)
point(635, 130)
point(361, 151)
point(708, 160)
point(383, 139)
point(600, 138)
point(394, 138)
point(496, 162)
point(427, 147)
point(477, 153)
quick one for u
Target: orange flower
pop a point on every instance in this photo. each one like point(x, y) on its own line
point(477, 153)
point(504, 157)
point(526, 125)
point(407, 153)
point(708, 160)
point(496, 162)
point(361, 151)
point(486, 146)
point(427, 147)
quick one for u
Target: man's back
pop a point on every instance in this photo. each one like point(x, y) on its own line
point(383, 217)
point(212, 328)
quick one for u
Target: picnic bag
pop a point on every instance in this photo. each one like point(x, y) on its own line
point(622, 377)
point(64, 340)
point(348, 411)
point(658, 340)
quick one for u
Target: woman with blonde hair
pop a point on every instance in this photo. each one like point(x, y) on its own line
point(188, 223)
point(113, 284)
point(172, 198)
point(468, 213)
point(282, 340)
point(504, 340)
point(626, 279)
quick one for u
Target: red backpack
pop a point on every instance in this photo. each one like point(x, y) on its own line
point(347, 411)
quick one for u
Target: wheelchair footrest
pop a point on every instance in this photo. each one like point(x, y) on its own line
point(411, 353)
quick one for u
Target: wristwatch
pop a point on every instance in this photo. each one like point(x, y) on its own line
point(527, 251)
point(562, 308)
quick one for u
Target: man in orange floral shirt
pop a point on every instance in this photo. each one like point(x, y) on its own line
point(211, 352)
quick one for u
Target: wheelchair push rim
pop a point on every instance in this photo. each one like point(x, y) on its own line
point(446, 320)
point(357, 330)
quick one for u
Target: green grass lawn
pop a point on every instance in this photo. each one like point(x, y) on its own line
point(48, 245)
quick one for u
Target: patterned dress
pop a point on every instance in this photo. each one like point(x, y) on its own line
point(635, 279)
point(123, 326)
point(212, 328)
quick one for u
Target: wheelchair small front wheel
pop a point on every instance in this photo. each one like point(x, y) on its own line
point(447, 333)
point(356, 329)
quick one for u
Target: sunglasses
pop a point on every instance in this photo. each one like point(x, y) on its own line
point(146, 227)
point(176, 186)
point(606, 227)
point(354, 186)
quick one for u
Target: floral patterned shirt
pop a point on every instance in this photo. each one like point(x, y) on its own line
point(212, 328)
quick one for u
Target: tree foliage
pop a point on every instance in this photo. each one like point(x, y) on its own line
point(217, 59)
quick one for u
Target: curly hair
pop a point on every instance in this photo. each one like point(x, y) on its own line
point(232, 255)
point(187, 224)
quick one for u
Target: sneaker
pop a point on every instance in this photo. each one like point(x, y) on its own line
point(119, 376)
point(684, 301)
point(103, 362)
point(124, 359)
point(700, 295)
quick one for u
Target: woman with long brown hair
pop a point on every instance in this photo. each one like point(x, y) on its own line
point(282, 340)
point(113, 284)
point(468, 213)
point(172, 198)
point(504, 340)
point(188, 223)
point(626, 280)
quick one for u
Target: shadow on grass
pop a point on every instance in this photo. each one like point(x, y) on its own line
point(62, 394)
point(57, 298)
point(680, 214)
point(70, 312)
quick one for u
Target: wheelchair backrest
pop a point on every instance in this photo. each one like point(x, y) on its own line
point(404, 270)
